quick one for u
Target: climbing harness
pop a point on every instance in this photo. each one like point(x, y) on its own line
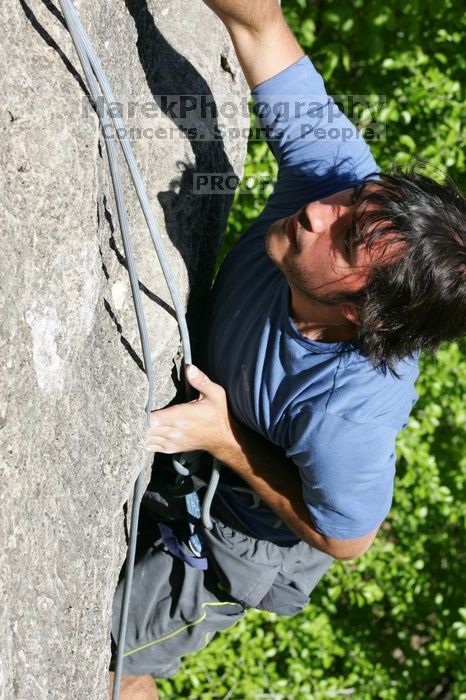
point(186, 464)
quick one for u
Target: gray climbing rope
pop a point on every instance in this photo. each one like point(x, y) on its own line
point(81, 39)
point(100, 88)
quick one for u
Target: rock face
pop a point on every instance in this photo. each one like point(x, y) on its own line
point(73, 390)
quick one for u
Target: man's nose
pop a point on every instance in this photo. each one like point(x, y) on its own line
point(322, 216)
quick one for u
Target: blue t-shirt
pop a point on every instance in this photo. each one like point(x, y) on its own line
point(335, 415)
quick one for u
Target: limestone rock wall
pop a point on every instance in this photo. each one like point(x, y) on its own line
point(72, 388)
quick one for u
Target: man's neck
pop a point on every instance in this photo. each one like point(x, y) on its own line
point(324, 334)
point(319, 321)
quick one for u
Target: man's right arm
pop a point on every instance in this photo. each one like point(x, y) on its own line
point(263, 42)
point(207, 424)
point(276, 480)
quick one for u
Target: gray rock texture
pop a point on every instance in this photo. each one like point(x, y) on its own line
point(72, 395)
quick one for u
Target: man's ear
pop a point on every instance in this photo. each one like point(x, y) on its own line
point(351, 312)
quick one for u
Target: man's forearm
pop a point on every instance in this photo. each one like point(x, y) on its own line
point(276, 480)
point(263, 42)
point(251, 14)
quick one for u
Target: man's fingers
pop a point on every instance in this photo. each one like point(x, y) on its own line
point(162, 435)
point(165, 416)
point(198, 379)
point(161, 444)
point(201, 382)
point(164, 431)
point(161, 449)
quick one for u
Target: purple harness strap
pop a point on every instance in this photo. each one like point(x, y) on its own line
point(172, 545)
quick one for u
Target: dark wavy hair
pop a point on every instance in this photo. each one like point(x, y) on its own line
point(416, 299)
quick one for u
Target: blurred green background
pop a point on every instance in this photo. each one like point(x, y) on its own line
point(391, 625)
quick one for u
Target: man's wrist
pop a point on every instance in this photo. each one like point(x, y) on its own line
point(229, 451)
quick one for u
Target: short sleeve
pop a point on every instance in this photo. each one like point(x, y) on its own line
point(347, 471)
point(316, 146)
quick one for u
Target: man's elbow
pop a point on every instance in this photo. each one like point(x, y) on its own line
point(349, 550)
point(350, 556)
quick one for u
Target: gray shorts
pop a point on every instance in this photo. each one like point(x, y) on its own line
point(176, 609)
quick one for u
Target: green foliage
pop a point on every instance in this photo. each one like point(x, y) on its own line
point(391, 625)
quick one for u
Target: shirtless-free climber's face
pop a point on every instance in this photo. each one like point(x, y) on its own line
point(311, 248)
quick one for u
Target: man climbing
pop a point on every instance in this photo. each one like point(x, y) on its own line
point(316, 320)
